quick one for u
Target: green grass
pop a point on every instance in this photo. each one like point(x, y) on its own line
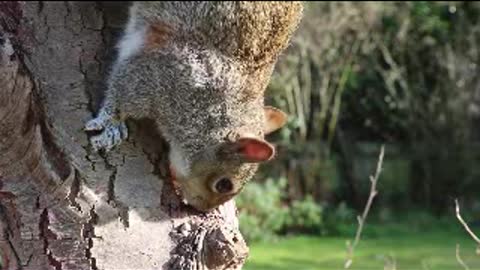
point(427, 249)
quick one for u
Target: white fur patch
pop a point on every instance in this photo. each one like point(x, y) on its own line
point(133, 38)
point(178, 162)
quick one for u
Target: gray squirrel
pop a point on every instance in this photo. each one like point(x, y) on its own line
point(200, 70)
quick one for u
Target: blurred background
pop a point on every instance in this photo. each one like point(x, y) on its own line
point(359, 75)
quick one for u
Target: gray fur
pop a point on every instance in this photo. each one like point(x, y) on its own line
point(202, 85)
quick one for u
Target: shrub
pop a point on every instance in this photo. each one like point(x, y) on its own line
point(264, 212)
point(339, 220)
point(305, 216)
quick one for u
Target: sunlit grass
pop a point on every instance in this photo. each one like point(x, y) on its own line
point(433, 249)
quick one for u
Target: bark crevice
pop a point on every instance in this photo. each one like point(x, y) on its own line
point(63, 206)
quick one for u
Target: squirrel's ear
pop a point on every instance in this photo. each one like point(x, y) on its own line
point(274, 119)
point(255, 150)
point(251, 150)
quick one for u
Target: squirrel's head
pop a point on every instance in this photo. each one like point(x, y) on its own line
point(218, 173)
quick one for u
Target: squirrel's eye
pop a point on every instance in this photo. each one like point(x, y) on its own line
point(223, 185)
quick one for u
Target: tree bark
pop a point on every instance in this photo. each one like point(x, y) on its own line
point(62, 206)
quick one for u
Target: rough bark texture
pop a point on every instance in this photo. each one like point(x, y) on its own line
point(63, 206)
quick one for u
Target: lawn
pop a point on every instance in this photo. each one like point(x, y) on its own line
point(426, 250)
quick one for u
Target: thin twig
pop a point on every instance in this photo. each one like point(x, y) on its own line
point(390, 263)
point(465, 225)
point(470, 232)
point(459, 259)
point(361, 219)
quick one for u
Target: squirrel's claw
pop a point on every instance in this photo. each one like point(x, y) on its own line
point(110, 137)
point(103, 120)
point(94, 124)
point(113, 132)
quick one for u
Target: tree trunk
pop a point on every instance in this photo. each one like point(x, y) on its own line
point(62, 206)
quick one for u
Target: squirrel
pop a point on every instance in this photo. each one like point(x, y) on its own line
point(200, 70)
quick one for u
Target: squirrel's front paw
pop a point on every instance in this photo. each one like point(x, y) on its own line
point(113, 133)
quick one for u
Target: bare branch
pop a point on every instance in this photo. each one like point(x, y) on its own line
point(465, 225)
point(361, 219)
point(459, 259)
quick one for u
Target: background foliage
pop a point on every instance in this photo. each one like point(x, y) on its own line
point(358, 75)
